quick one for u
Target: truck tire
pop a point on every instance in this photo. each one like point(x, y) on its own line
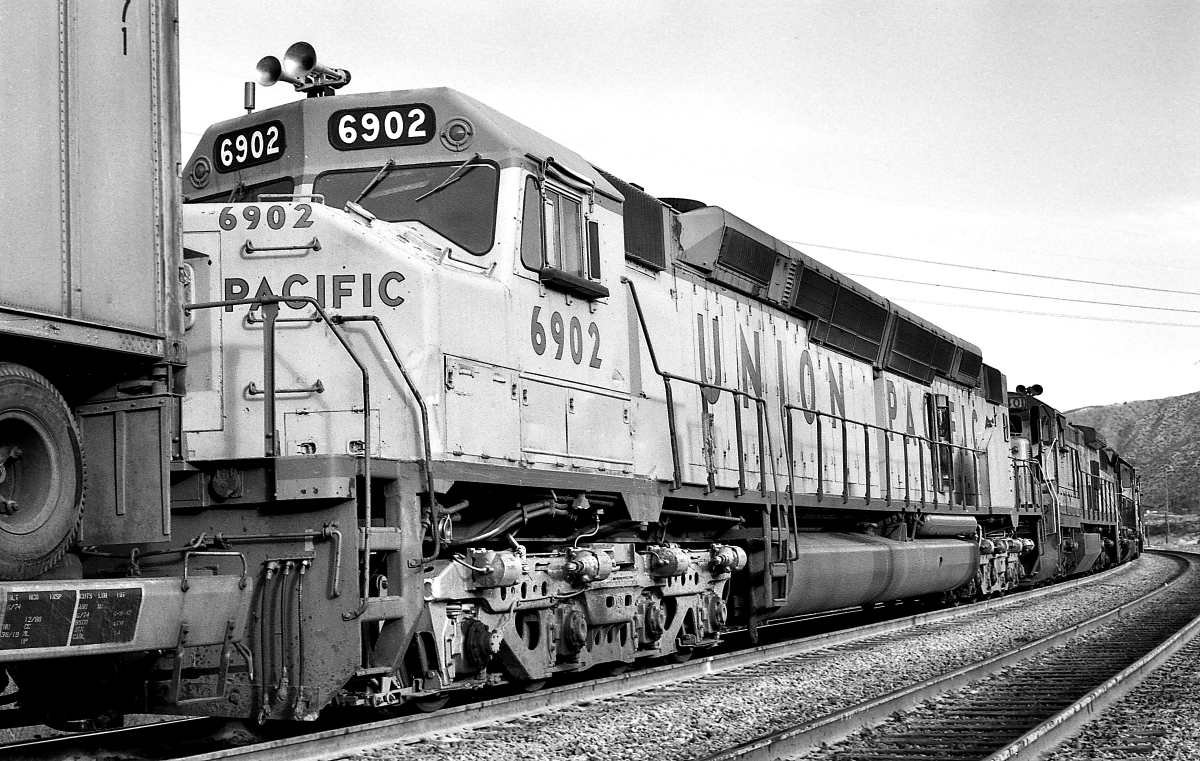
point(43, 472)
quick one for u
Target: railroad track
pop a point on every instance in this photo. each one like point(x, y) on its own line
point(1157, 718)
point(656, 684)
point(1017, 705)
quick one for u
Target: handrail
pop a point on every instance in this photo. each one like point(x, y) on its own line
point(820, 416)
point(434, 515)
point(789, 408)
point(270, 307)
point(766, 449)
point(760, 406)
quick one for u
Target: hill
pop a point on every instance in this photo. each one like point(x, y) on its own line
point(1161, 437)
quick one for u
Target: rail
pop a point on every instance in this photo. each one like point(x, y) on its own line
point(974, 717)
point(923, 443)
point(343, 741)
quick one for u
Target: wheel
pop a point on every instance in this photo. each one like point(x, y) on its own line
point(429, 705)
point(680, 656)
point(42, 474)
point(533, 686)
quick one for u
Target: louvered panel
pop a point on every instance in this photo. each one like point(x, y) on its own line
point(969, 366)
point(943, 357)
point(794, 270)
point(815, 296)
point(642, 215)
point(743, 254)
point(912, 350)
point(993, 385)
point(857, 325)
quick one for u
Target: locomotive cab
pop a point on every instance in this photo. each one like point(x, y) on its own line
point(523, 235)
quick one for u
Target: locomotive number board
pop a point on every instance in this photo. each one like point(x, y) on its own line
point(249, 146)
point(353, 129)
point(57, 618)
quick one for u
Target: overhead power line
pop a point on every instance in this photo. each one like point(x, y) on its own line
point(910, 202)
point(1126, 261)
point(1048, 314)
point(1026, 295)
point(996, 271)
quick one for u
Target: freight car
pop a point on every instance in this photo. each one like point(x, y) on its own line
point(462, 408)
point(91, 350)
point(90, 322)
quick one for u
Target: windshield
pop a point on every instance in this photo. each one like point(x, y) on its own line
point(463, 211)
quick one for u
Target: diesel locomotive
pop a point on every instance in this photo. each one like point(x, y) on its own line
point(434, 403)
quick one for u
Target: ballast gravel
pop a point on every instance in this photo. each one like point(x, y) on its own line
point(701, 716)
point(1158, 720)
point(1073, 665)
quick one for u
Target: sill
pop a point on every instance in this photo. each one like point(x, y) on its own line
point(573, 284)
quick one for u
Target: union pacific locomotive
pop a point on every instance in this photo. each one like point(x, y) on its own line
point(443, 405)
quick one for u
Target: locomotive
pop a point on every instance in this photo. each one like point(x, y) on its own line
point(437, 404)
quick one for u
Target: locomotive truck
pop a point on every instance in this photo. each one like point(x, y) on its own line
point(418, 401)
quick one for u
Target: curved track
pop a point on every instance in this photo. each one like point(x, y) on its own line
point(726, 668)
point(1018, 704)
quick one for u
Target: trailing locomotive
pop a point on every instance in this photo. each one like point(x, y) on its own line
point(1086, 493)
point(461, 408)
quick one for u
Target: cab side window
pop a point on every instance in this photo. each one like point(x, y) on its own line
point(554, 244)
point(564, 243)
point(531, 227)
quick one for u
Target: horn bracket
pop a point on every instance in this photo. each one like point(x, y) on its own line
point(300, 69)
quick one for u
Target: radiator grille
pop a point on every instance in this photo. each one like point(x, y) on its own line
point(643, 221)
point(743, 254)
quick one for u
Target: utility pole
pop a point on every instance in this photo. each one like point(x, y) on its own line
point(1168, 511)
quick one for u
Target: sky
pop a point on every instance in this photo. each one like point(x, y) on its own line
point(975, 162)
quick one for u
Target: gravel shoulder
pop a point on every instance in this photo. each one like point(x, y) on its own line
point(702, 716)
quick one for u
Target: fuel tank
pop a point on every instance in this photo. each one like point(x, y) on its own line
point(845, 570)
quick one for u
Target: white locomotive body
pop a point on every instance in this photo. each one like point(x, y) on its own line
point(635, 389)
point(461, 408)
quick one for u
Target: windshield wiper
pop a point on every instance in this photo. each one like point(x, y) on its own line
point(376, 180)
point(454, 177)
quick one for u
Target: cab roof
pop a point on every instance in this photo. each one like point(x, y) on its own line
point(309, 146)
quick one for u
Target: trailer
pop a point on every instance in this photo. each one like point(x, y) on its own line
point(90, 323)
